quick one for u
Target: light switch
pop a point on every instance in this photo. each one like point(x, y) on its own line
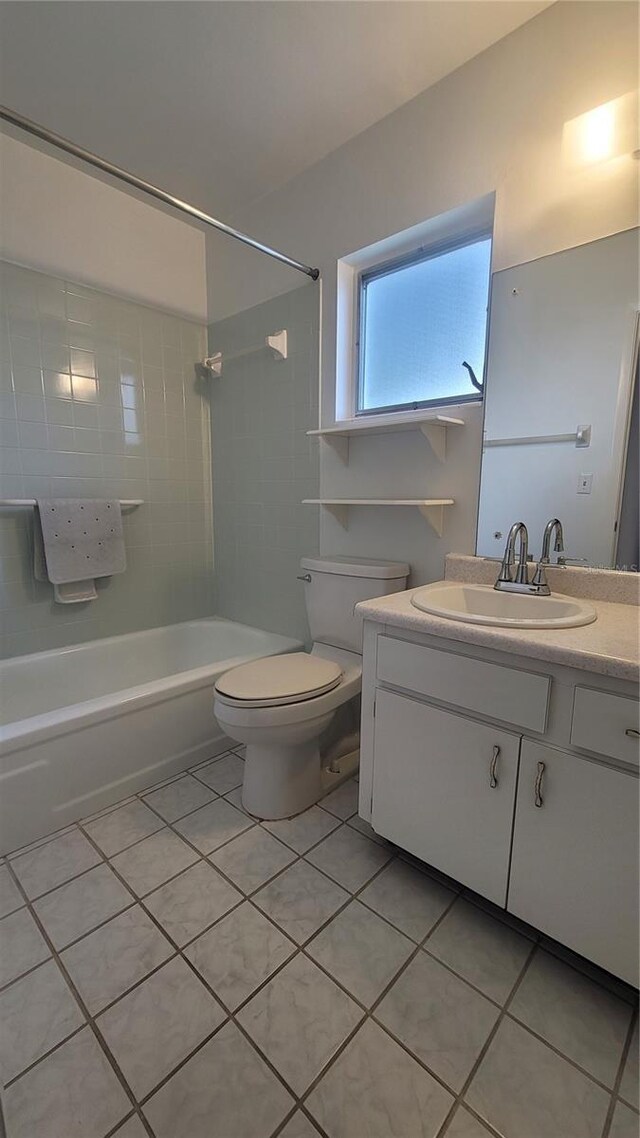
point(584, 483)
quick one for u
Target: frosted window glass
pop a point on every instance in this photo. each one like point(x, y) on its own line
point(419, 322)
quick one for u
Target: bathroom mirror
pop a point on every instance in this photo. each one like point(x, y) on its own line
point(561, 425)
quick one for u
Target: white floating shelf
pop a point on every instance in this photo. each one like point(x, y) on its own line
point(432, 509)
point(432, 426)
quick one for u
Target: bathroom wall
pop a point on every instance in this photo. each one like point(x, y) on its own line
point(497, 124)
point(263, 462)
point(73, 224)
point(98, 397)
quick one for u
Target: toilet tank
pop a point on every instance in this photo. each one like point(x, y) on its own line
point(334, 588)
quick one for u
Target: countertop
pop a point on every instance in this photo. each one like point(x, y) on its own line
point(608, 647)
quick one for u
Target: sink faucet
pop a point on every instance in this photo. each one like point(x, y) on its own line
point(506, 580)
point(540, 576)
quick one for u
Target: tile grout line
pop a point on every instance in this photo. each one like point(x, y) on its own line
point(459, 1098)
point(299, 949)
point(615, 1094)
point(85, 1011)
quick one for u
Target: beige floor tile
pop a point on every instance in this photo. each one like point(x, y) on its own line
point(225, 1089)
point(73, 1093)
point(153, 861)
point(74, 909)
point(362, 951)
point(300, 900)
point(485, 951)
point(213, 825)
point(629, 1086)
point(407, 898)
point(239, 953)
point(524, 1090)
point(36, 1013)
point(21, 945)
point(48, 866)
point(10, 896)
point(299, 1020)
point(305, 830)
point(375, 1089)
point(575, 1015)
point(349, 858)
point(343, 802)
point(110, 960)
point(121, 828)
point(178, 798)
point(223, 774)
point(188, 904)
point(441, 1019)
point(252, 858)
point(156, 1025)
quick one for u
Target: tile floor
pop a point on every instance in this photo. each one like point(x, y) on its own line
point(171, 968)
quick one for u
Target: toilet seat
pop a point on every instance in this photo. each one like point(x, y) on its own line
point(277, 680)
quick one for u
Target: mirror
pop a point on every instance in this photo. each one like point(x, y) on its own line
point(560, 431)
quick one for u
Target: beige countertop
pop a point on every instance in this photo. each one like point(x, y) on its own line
point(608, 647)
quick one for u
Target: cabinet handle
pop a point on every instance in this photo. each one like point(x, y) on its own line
point(632, 733)
point(538, 799)
point(493, 778)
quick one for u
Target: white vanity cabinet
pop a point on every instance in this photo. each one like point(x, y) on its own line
point(515, 777)
point(574, 872)
point(444, 788)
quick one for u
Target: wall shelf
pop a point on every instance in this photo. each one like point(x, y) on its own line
point(432, 509)
point(432, 426)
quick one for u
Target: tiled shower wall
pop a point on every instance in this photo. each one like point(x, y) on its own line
point(264, 464)
point(99, 398)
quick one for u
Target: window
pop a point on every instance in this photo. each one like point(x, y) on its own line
point(420, 317)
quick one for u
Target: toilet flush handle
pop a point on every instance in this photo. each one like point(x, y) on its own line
point(304, 577)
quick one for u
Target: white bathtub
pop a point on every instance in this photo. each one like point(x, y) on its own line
point(84, 726)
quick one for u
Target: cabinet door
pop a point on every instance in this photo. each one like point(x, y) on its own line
point(444, 789)
point(574, 871)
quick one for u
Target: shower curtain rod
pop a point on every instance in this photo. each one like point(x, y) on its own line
point(65, 144)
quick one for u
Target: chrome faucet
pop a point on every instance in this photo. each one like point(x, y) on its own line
point(540, 576)
point(506, 579)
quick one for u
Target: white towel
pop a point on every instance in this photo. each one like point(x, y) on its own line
point(76, 540)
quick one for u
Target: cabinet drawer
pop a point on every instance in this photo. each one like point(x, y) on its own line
point(601, 721)
point(500, 693)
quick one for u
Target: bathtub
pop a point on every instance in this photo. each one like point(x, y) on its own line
point(82, 727)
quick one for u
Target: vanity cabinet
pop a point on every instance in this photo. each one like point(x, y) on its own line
point(444, 788)
point(515, 777)
point(574, 872)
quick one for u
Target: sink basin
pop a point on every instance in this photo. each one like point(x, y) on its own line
point(482, 604)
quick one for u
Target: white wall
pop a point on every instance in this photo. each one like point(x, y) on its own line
point(64, 222)
point(496, 124)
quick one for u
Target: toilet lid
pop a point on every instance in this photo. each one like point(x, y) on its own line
point(280, 679)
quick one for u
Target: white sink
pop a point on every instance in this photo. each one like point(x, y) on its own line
point(482, 604)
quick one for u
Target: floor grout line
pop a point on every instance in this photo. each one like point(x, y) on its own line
point(615, 1097)
point(299, 949)
point(85, 1011)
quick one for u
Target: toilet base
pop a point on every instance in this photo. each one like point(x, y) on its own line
point(281, 781)
point(271, 801)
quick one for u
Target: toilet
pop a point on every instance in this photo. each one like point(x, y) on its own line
point(294, 712)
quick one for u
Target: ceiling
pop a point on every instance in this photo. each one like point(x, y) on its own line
point(222, 102)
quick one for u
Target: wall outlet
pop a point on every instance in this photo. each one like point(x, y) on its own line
point(584, 483)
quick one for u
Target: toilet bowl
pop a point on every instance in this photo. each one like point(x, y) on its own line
point(282, 707)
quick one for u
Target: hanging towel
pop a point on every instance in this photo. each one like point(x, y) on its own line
point(76, 540)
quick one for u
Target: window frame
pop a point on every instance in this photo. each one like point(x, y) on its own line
point(424, 252)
